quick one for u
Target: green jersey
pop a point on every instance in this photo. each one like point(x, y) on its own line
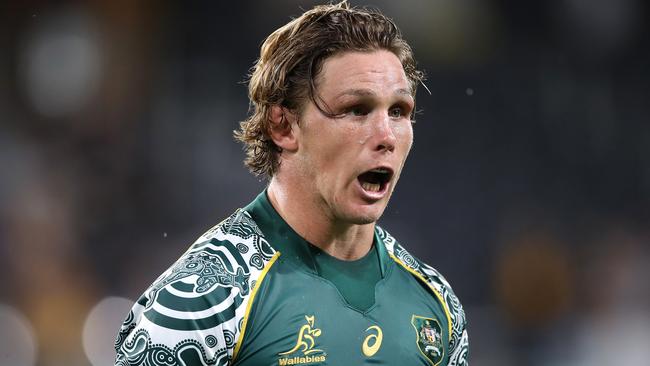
point(249, 292)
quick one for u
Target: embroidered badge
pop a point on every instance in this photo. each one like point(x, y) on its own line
point(428, 335)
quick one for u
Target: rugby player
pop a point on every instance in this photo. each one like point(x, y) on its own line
point(303, 275)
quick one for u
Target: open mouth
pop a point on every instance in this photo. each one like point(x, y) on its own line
point(375, 180)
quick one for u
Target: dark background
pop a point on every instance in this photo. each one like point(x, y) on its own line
point(528, 186)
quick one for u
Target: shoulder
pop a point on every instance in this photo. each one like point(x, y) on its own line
point(442, 288)
point(196, 307)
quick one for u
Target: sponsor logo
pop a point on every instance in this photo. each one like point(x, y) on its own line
point(372, 343)
point(304, 351)
point(428, 337)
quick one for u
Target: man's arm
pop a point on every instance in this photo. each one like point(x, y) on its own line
point(458, 339)
point(186, 317)
point(193, 313)
point(460, 351)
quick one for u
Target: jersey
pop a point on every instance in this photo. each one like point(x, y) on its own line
point(247, 293)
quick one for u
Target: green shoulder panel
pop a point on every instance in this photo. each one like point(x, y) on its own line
point(193, 313)
point(458, 340)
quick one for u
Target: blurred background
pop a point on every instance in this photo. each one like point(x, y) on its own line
point(528, 185)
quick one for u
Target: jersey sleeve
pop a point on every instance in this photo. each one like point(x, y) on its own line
point(458, 339)
point(193, 313)
point(143, 341)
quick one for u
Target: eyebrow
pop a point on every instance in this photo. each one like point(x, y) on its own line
point(370, 93)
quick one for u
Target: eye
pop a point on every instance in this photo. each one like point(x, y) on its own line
point(358, 110)
point(398, 112)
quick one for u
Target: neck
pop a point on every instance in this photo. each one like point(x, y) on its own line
point(313, 222)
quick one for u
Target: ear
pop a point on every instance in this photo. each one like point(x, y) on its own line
point(281, 129)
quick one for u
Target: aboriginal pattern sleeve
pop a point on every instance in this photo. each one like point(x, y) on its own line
point(193, 313)
point(458, 340)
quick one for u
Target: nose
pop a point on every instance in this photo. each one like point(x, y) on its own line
point(385, 136)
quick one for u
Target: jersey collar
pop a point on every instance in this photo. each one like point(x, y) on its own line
point(285, 240)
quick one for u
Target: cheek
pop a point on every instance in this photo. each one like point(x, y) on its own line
point(341, 149)
point(360, 136)
point(327, 153)
point(404, 135)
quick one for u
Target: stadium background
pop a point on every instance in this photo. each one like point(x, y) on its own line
point(528, 185)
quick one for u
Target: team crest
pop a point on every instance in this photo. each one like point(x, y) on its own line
point(429, 338)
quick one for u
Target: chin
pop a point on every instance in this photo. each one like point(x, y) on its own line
point(363, 220)
point(362, 216)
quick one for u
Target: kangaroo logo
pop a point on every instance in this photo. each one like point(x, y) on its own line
point(306, 341)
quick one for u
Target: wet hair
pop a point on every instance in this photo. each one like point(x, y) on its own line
point(291, 59)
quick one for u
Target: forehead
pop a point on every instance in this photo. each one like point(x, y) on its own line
point(380, 72)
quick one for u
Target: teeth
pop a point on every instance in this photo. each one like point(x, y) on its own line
point(372, 187)
point(379, 170)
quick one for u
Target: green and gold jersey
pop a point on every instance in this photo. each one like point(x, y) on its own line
point(251, 292)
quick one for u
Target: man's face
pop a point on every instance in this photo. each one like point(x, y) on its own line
point(350, 164)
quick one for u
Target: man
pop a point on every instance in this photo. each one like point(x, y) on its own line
point(303, 275)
